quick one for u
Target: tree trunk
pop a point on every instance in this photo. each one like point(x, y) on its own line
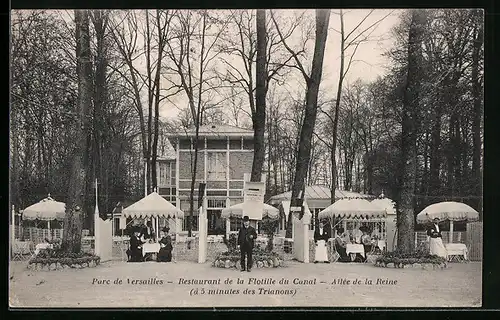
point(309, 121)
point(259, 116)
point(72, 234)
point(405, 215)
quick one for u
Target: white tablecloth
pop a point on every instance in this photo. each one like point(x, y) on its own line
point(150, 248)
point(355, 248)
point(456, 249)
point(42, 246)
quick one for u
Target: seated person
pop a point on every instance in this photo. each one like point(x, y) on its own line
point(340, 245)
point(135, 252)
point(165, 253)
point(366, 240)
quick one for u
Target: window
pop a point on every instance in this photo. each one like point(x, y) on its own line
point(217, 165)
point(166, 173)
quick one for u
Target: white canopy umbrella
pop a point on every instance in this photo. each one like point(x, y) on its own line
point(152, 206)
point(448, 210)
point(453, 211)
point(237, 211)
point(47, 209)
point(353, 209)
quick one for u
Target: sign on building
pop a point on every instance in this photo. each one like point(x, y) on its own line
point(253, 197)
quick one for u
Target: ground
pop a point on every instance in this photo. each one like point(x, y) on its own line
point(457, 286)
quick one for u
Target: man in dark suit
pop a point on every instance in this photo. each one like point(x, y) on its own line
point(246, 241)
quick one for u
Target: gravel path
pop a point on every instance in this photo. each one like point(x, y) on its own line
point(323, 285)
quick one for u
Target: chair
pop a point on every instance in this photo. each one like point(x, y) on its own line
point(335, 254)
point(21, 250)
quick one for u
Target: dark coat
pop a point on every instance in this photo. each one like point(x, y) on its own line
point(433, 233)
point(322, 236)
point(135, 251)
point(244, 237)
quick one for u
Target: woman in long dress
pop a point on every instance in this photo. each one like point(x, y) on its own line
point(436, 245)
point(135, 251)
point(165, 253)
point(321, 236)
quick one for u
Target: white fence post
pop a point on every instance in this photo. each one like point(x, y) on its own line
point(306, 221)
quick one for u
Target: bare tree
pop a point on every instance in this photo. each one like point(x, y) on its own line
point(311, 107)
point(191, 53)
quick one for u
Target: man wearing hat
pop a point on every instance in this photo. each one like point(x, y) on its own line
point(246, 240)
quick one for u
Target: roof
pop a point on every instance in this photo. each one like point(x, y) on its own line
point(321, 192)
point(214, 130)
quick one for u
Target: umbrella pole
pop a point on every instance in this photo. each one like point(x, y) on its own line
point(451, 232)
point(50, 233)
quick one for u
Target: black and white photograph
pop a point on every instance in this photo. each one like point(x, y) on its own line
point(186, 158)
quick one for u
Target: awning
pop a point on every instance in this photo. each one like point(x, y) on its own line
point(152, 205)
point(47, 209)
point(353, 209)
point(237, 211)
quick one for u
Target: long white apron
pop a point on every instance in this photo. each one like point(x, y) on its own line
point(321, 254)
point(437, 247)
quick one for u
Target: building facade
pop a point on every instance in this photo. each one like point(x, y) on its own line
point(225, 154)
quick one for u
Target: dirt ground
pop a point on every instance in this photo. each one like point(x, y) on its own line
point(167, 285)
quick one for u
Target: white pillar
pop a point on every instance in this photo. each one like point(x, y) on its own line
point(451, 232)
point(202, 232)
point(306, 220)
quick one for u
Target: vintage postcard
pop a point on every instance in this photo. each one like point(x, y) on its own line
point(246, 158)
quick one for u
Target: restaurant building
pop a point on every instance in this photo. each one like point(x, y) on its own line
point(225, 155)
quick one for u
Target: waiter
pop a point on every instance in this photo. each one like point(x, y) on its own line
point(436, 245)
point(246, 240)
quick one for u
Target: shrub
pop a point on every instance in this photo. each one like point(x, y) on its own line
point(409, 258)
point(258, 255)
point(49, 256)
point(231, 243)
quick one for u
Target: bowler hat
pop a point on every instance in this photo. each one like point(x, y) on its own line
point(245, 218)
point(165, 229)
